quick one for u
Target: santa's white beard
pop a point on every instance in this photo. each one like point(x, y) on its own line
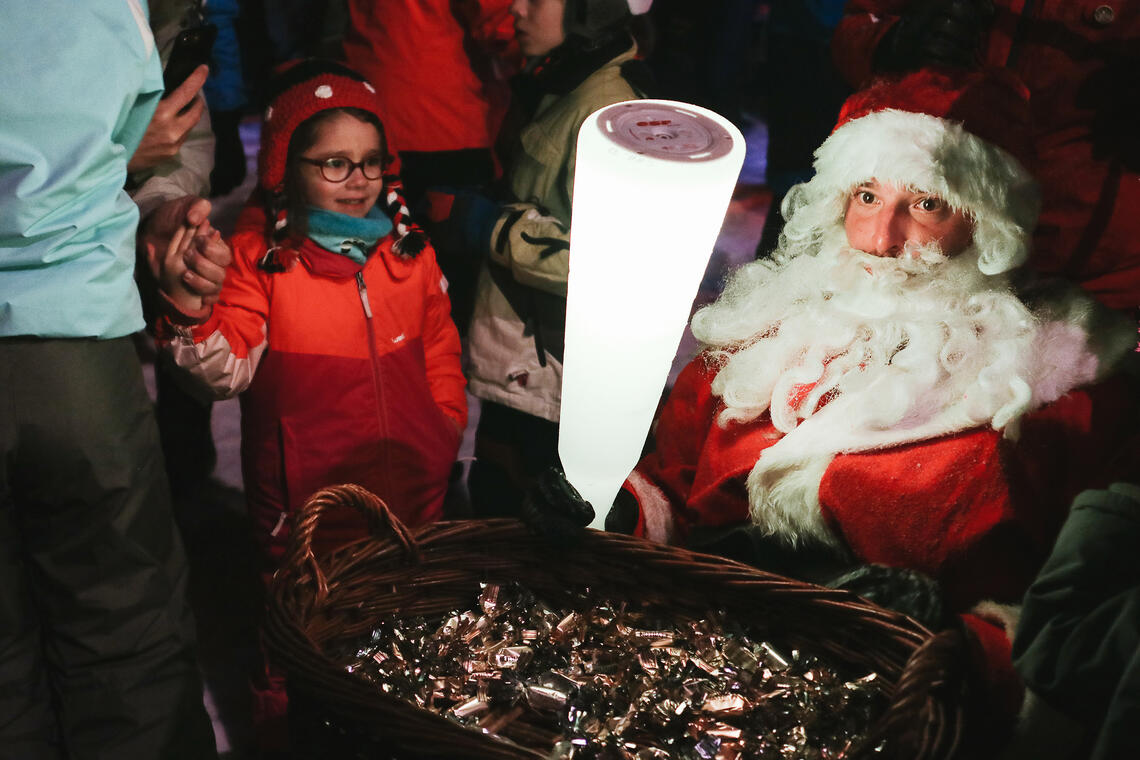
point(898, 350)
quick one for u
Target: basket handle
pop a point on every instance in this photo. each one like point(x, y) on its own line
point(926, 711)
point(299, 556)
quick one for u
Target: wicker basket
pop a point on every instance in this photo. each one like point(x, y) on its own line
point(315, 605)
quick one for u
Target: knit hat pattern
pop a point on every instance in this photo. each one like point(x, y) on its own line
point(304, 89)
point(962, 135)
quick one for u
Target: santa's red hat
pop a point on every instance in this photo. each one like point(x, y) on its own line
point(962, 135)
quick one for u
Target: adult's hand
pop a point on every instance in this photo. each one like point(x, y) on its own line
point(175, 116)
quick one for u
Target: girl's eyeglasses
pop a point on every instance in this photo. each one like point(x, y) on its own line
point(339, 168)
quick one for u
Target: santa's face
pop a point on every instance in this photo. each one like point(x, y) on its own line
point(882, 219)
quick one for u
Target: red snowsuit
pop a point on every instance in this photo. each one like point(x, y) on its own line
point(975, 511)
point(1080, 63)
point(353, 375)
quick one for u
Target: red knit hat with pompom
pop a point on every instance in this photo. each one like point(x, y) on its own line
point(963, 135)
point(301, 90)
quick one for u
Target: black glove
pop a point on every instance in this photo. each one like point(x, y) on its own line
point(623, 515)
point(935, 32)
point(555, 510)
point(910, 592)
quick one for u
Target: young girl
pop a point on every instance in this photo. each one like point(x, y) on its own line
point(333, 322)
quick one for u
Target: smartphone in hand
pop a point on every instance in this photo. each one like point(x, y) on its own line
point(191, 49)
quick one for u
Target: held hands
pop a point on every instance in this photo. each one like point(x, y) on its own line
point(171, 270)
point(175, 116)
point(186, 255)
point(936, 32)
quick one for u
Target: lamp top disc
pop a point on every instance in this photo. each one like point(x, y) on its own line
point(665, 130)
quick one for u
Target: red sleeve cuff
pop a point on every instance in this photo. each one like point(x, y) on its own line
point(992, 663)
point(179, 316)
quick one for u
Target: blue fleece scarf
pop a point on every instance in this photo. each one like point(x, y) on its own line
point(350, 236)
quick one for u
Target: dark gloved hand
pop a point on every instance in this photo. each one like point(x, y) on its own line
point(624, 514)
point(555, 510)
point(459, 219)
point(936, 32)
point(910, 592)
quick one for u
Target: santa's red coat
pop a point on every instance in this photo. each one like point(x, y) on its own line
point(974, 510)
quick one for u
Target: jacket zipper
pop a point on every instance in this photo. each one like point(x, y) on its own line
point(374, 360)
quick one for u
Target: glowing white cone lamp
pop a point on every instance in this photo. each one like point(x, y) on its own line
point(652, 183)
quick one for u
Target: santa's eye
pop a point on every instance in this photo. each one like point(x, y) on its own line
point(930, 203)
point(865, 196)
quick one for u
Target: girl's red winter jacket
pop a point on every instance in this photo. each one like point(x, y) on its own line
point(348, 373)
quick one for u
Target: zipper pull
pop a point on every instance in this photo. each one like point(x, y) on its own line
point(363, 291)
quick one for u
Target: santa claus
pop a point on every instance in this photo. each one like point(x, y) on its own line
point(889, 389)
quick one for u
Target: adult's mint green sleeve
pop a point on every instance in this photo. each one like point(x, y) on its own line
point(79, 82)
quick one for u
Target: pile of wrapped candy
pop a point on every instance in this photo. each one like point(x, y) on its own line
point(592, 679)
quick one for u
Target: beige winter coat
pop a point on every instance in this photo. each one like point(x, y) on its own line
point(531, 240)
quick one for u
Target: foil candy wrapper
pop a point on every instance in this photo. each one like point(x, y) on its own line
point(594, 679)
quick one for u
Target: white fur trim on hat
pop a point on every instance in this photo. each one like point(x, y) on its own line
point(930, 154)
point(1004, 615)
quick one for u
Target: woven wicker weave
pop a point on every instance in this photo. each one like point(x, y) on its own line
point(314, 605)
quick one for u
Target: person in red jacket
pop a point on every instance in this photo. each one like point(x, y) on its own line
point(440, 68)
point(1080, 60)
point(884, 405)
point(333, 324)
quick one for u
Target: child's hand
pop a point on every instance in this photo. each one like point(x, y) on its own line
point(170, 270)
point(206, 264)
